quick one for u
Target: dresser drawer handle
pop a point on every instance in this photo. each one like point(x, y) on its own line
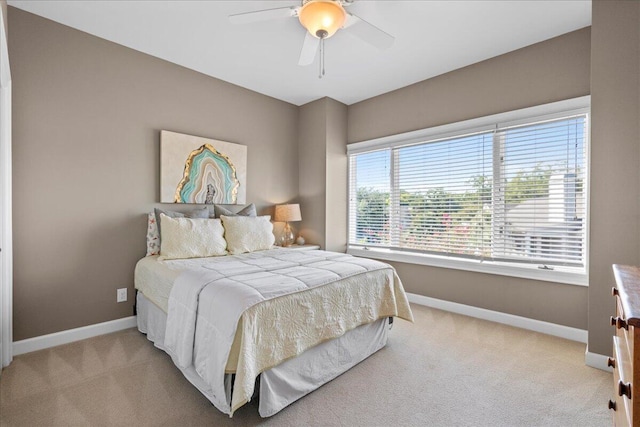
point(611, 362)
point(624, 389)
point(612, 405)
point(619, 323)
point(614, 292)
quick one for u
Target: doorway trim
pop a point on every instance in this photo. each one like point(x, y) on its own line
point(6, 235)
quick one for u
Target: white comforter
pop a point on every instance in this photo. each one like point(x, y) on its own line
point(250, 312)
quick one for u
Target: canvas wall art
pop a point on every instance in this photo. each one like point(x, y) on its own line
point(201, 170)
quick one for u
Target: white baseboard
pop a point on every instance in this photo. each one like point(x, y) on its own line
point(561, 331)
point(596, 360)
point(71, 335)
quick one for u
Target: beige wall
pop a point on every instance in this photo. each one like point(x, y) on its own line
point(87, 116)
point(615, 157)
point(311, 164)
point(550, 71)
point(322, 136)
point(337, 180)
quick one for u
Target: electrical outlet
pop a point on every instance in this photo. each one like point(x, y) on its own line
point(122, 295)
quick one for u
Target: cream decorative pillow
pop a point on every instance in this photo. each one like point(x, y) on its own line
point(247, 234)
point(191, 238)
point(195, 213)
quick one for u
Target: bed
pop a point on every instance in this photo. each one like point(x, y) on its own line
point(273, 324)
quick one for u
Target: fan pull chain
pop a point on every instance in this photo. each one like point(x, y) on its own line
point(321, 72)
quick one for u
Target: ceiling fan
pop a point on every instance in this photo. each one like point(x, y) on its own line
point(321, 19)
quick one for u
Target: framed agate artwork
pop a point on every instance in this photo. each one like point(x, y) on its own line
point(201, 170)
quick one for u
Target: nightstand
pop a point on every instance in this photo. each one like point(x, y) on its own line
point(305, 247)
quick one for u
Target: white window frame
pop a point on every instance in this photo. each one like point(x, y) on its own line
point(559, 274)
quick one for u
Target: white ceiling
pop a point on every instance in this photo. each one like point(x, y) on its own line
point(432, 38)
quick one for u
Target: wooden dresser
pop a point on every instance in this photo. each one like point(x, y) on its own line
point(626, 347)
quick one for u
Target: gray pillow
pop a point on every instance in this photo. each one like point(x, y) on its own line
point(199, 213)
point(249, 210)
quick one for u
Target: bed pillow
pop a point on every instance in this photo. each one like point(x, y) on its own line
point(247, 234)
point(195, 213)
point(153, 236)
point(191, 238)
point(249, 210)
point(198, 213)
point(170, 214)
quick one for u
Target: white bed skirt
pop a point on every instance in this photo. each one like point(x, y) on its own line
point(284, 384)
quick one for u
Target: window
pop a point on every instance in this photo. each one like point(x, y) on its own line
point(507, 193)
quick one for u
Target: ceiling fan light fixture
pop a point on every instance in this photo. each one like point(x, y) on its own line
point(322, 18)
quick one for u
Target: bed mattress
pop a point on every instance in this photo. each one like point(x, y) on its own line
point(155, 278)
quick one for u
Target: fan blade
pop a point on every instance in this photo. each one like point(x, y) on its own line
point(368, 32)
point(309, 49)
point(263, 15)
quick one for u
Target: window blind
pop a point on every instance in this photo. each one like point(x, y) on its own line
point(514, 194)
point(370, 199)
point(540, 205)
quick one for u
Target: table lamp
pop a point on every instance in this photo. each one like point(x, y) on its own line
point(287, 213)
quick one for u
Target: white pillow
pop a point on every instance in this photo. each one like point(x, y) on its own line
point(247, 234)
point(191, 238)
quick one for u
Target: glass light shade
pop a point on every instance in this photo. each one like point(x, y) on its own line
point(321, 15)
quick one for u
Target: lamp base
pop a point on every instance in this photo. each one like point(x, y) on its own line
point(287, 238)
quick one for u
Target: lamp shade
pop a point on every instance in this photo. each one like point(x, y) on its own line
point(287, 213)
point(322, 18)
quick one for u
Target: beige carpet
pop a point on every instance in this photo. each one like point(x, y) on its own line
point(444, 370)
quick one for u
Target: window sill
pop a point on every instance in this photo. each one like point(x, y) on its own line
point(564, 275)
